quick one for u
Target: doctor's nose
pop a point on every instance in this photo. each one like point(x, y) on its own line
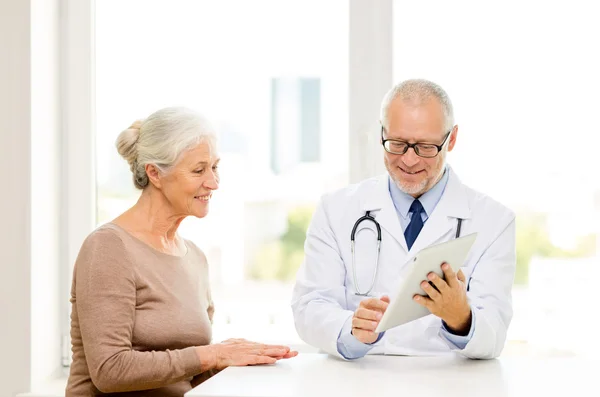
point(410, 158)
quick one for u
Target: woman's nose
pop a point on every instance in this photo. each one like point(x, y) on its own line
point(213, 181)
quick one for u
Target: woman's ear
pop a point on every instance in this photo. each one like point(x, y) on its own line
point(153, 175)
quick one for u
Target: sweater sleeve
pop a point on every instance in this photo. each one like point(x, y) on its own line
point(106, 303)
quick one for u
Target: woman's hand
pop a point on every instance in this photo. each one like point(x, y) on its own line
point(240, 352)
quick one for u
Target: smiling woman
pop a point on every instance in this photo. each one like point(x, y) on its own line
point(173, 158)
point(141, 304)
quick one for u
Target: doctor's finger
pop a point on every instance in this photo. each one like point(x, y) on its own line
point(367, 314)
point(424, 301)
point(439, 283)
point(429, 290)
point(461, 276)
point(363, 335)
point(449, 275)
point(374, 304)
point(367, 325)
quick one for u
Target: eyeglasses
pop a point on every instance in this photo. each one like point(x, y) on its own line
point(426, 150)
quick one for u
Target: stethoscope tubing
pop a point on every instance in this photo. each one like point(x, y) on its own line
point(368, 217)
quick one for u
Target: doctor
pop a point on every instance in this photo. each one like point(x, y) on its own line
point(419, 202)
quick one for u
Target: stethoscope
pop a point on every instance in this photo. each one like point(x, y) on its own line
point(368, 217)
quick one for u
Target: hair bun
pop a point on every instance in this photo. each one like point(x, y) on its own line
point(136, 125)
point(127, 140)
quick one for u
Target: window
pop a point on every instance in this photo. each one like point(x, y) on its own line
point(272, 77)
point(524, 86)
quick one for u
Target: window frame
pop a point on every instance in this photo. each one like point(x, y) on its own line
point(369, 37)
point(78, 203)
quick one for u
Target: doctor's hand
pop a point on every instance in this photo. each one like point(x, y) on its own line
point(366, 318)
point(448, 300)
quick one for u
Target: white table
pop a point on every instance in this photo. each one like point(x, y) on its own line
point(318, 375)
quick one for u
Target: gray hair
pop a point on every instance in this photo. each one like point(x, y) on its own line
point(417, 91)
point(161, 139)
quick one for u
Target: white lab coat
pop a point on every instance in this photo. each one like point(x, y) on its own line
point(324, 295)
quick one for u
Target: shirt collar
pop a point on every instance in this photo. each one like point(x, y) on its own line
point(402, 201)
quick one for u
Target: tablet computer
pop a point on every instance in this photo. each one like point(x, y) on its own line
point(403, 308)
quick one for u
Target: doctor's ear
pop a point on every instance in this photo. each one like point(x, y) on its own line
point(452, 138)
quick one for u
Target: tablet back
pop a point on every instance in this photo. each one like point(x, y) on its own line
point(403, 308)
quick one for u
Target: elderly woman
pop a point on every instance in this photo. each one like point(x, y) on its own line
point(141, 304)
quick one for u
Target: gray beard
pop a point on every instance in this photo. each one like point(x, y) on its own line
point(419, 188)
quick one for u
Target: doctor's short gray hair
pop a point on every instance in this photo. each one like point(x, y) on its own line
point(418, 91)
point(161, 139)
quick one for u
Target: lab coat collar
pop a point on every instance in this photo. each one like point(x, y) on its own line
point(402, 201)
point(453, 204)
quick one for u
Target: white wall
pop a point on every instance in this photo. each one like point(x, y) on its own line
point(15, 236)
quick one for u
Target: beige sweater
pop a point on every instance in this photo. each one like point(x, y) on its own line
point(136, 315)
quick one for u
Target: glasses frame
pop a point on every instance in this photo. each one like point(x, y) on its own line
point(414, 145)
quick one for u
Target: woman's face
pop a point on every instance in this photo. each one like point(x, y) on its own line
point(188, 186)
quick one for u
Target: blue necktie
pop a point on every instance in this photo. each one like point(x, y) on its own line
point(416, 223)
